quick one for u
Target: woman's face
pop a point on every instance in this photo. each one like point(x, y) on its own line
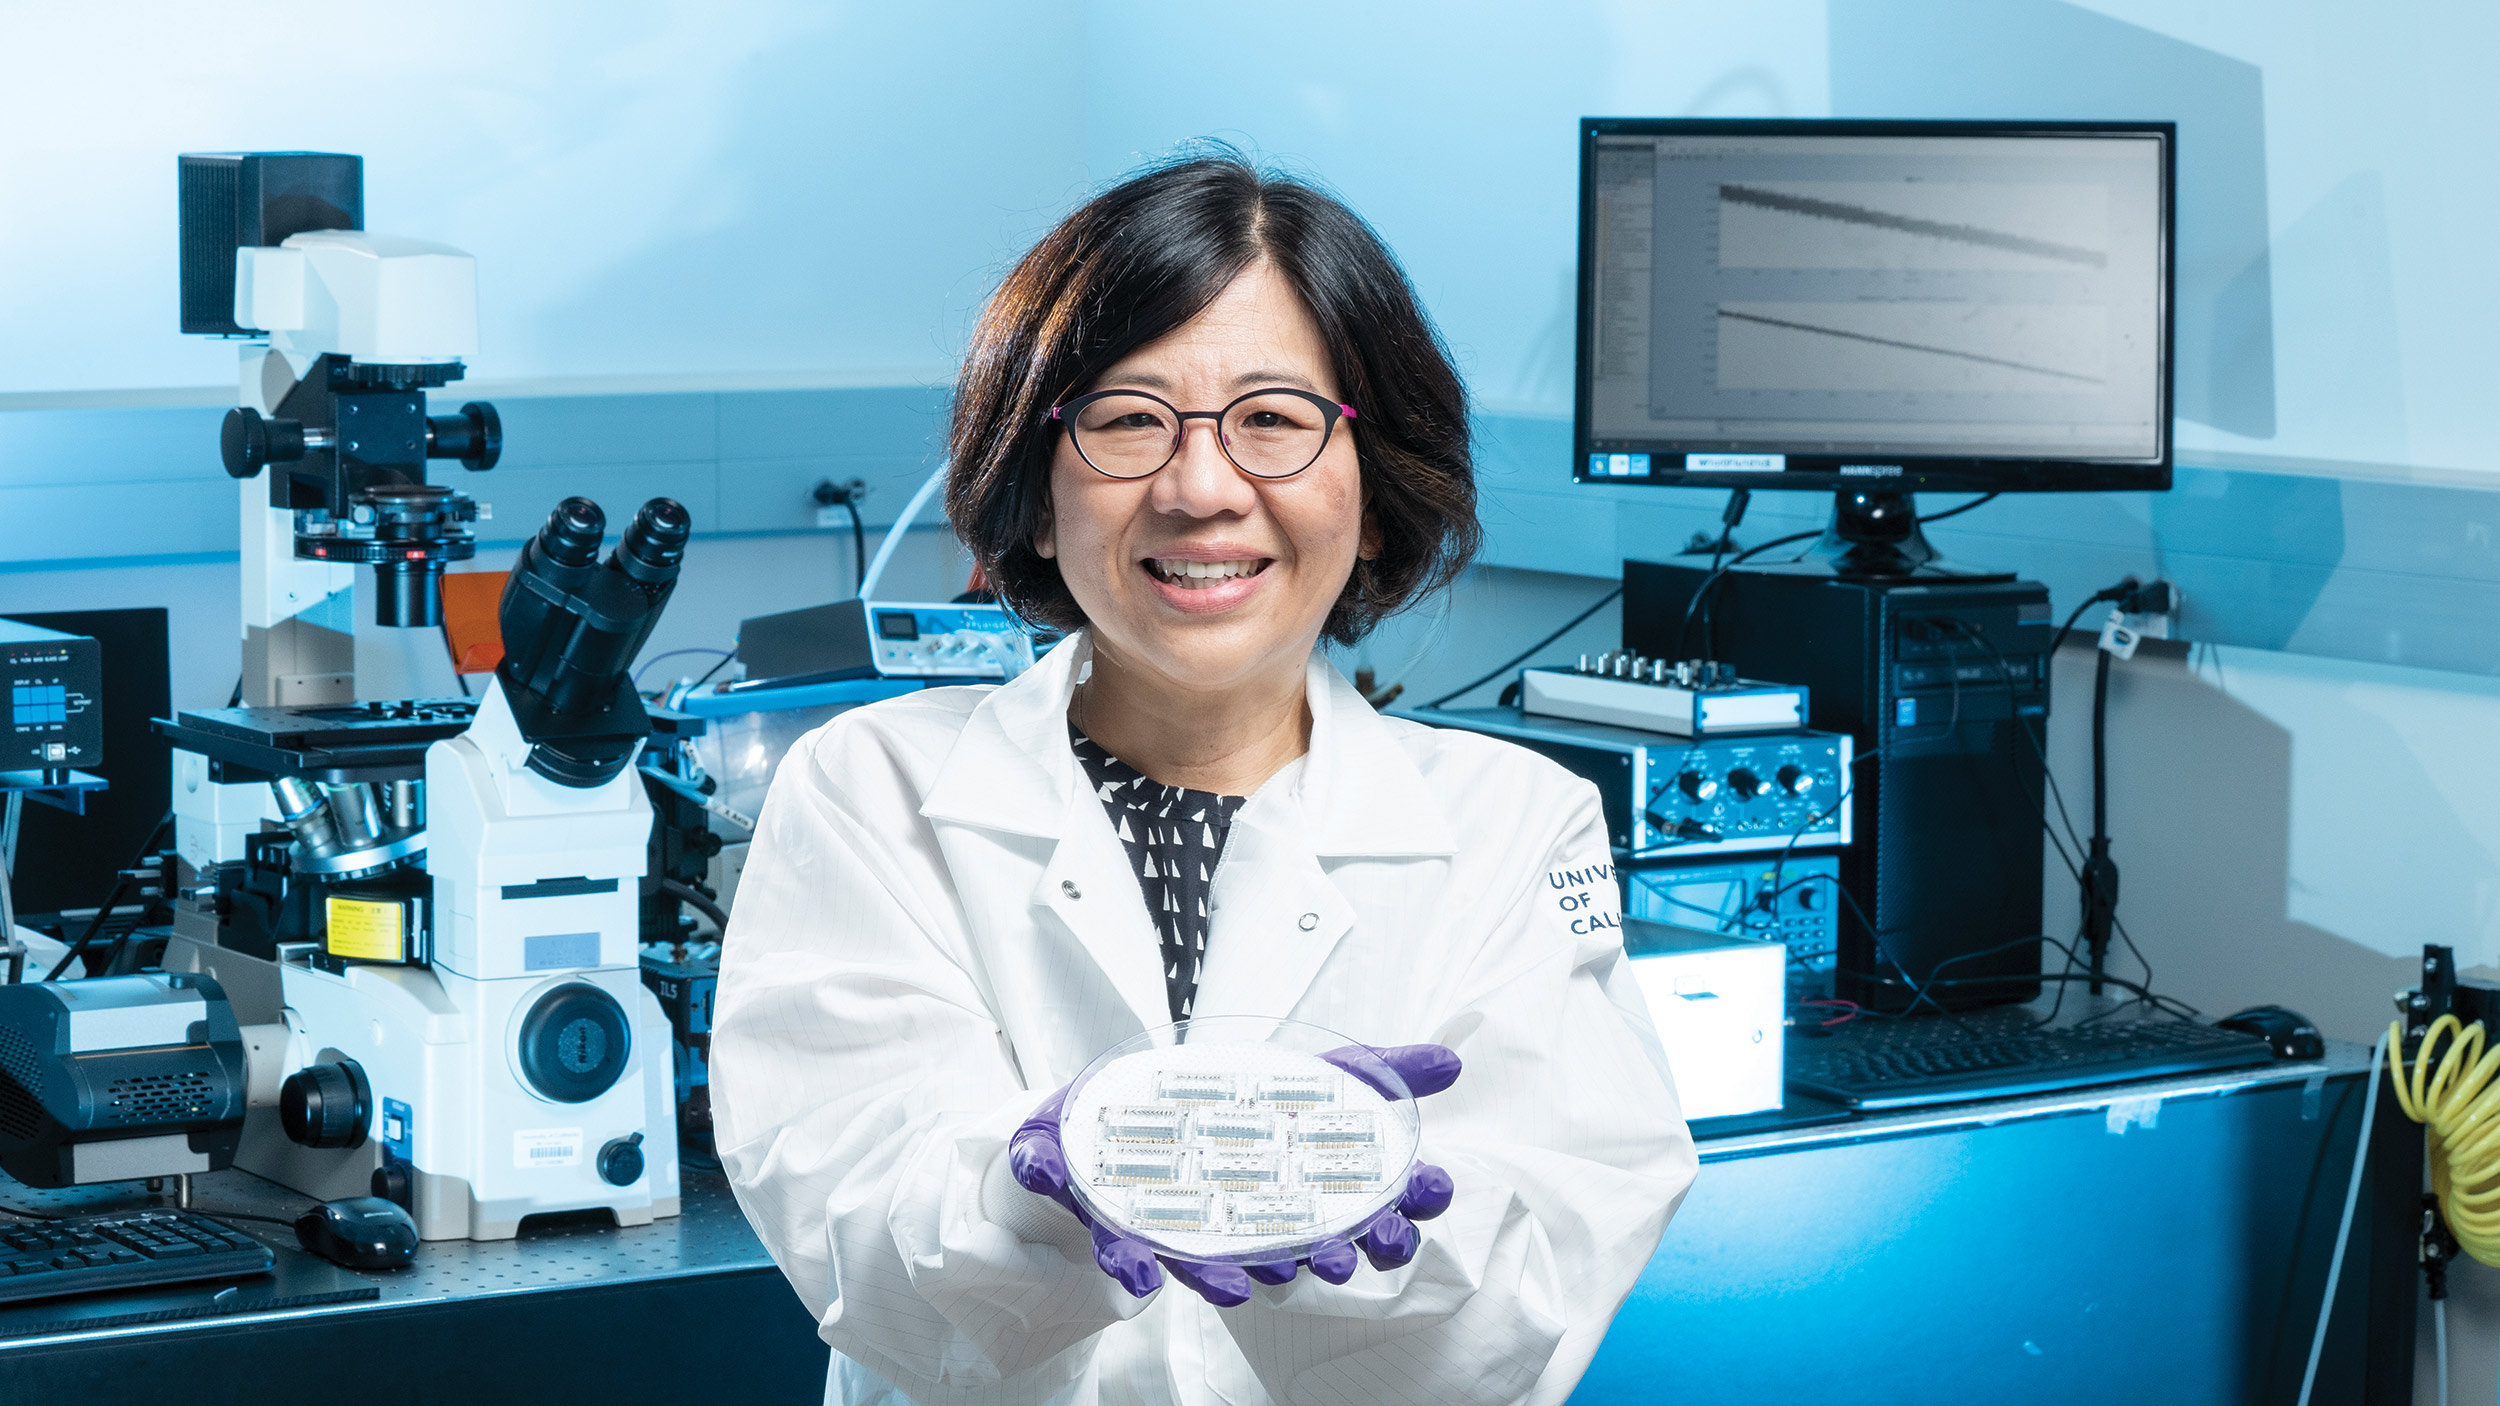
point(1281, 549)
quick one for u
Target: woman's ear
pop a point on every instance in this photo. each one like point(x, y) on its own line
point(1368, 548)
point(1046, 538)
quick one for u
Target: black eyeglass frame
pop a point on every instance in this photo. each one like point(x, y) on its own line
point(1335, 410)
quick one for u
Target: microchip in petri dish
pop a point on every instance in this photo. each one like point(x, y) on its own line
point(1137, 1122)
point(1241, 1170)
point(1233, 1128)
point(1123, 1166)
point(1336, 1130)
point(1271, 1213)
point(1171, 1208)
point(1341, 1171)
point(1299, 1091)
point(1184, 1086)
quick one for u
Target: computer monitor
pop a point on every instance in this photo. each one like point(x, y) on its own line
point(1874, 308)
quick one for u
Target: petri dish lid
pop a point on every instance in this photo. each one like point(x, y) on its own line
point(1231, 1140)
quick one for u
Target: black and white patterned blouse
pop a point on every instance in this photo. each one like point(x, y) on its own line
point(1174, 837)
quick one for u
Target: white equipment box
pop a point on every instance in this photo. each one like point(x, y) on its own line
point(1717, 1003)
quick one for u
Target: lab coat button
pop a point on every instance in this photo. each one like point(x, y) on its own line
point(1310, 921)
point(1068, 887)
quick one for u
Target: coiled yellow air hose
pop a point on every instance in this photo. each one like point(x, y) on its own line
point(2458, 1103)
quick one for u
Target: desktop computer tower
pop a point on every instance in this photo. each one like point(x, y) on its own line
point(1944, 685)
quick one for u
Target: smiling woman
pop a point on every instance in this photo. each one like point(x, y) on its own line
point(1203, 426)
point(1149, 257)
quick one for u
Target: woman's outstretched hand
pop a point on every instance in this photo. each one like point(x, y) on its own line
point(1040, 1165)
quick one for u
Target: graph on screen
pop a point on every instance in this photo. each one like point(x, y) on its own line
point(1899, 295)
point(1961, 226)
point(1932, 346)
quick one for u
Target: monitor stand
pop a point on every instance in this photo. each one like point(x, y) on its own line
point(1875, 534)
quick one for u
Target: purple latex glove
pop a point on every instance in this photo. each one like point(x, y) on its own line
point(1040, 1165)
point(1389, 1239)
point(1400, 1071)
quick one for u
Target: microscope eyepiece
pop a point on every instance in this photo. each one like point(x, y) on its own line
point(572, 625)
point(573, 533)
point(655, 542)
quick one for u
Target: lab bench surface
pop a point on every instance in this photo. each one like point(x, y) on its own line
point(687, 1308)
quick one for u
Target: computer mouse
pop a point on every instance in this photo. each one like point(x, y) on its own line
point(2290, 1032)
point(359, 1232)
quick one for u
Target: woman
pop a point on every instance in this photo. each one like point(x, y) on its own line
point(1202, 425)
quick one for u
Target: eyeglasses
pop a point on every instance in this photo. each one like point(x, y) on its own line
point(1273, 433)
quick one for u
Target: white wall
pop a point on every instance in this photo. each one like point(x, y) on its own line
point(652, 190)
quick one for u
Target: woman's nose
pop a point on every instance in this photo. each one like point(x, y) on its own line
point(1200, 481)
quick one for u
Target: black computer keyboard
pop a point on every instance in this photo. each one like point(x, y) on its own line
point(1940, 1059)
point(84, 1254)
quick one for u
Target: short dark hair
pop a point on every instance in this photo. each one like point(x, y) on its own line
point(1138, 261)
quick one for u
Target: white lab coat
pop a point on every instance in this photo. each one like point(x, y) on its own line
point(937, 928)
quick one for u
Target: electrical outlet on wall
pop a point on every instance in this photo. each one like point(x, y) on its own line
point(2125, 629)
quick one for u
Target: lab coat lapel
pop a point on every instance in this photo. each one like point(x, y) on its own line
point(1088, 888)
point(1012, 769)
point(1278, 915)
point(1276, 918)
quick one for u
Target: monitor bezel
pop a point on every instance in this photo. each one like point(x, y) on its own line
point(1923, 473)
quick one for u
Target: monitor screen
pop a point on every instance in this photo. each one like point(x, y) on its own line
point(1947, 305)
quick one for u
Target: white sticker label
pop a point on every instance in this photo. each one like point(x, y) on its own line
point(546, 1147)
point(1735, 463)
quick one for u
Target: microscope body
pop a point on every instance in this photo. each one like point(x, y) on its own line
point(570, 1100)
point(462, 967)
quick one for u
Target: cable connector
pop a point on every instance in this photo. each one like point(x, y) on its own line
point(2156, 598)
point(2138, 613)
point(2436, 1249)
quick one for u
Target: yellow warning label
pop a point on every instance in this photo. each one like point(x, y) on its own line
point(367, 931)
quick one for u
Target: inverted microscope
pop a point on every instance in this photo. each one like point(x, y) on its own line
point(424, 914)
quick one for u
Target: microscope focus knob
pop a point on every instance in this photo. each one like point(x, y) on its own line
point(620, 1162)
point(250, 441)
point(327, 1105)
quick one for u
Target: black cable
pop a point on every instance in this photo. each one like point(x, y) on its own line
point(2074, 867)
point(644, 667)
point(1958, 509)
point(2101, 597)
point(697, 900)
point(2100, 872)
point(859, 547)
point(121, 880)
point(2100, 746)
point(1522, 656)
point(112, 899)
point(717, 666)
point(1701, 592)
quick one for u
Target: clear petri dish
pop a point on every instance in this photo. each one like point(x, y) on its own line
point(1231, 1140)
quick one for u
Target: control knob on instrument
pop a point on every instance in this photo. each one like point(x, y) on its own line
point(1796, 781)
point(1746, 785)
point(1697, 786)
